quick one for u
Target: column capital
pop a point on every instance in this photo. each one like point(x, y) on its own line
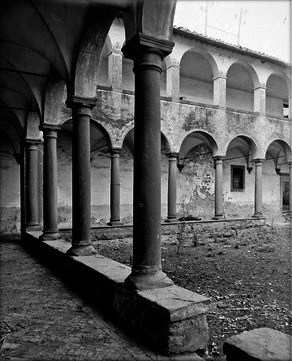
point(48, 126)
point(258, 160)
point(115, 150)
point(173, 65)
point(76, 101)
point(172, 154)
point(29, 142)
point(220, 77)
point(115, 51)
point(260, 87)
point(219, 157)
point(142, 41)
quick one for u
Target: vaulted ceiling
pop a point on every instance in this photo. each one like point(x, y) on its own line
point(40, 39)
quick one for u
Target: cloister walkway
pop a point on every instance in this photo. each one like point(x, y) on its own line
point(42, 319)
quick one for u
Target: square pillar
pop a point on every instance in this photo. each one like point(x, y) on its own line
point(219, 91)
point(260, 100)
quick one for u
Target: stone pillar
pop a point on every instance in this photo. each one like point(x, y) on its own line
point(81, 182)
point(219, 214)
point(172, 174)
point(115, 187)
point(258, 196)
point(147, 53)
point(40, 182)
point(219, 91)
point(260, 99)
point(173, 81)
point(50, 183)
point(31, 183)
point(115, 69)
point(290, 188)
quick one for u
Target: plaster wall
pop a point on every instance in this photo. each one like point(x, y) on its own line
point(274, 106)
point(196, 90)
point(239, 99)
point(9, 189)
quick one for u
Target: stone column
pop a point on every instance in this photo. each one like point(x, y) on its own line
point(218, 187)
point(147, 53)
point(173, 81)
point(115, 187)
point(172, 174)
point(50, 183)
point(81, 182)
point(258, 196)
point(40, 181)
point(219, 91)
point(31, 149)
point(290, 188)
point(115, 69)
point(260, 99)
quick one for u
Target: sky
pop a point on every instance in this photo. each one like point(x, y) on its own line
point(265, 26)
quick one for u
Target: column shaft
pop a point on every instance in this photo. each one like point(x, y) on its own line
point(115, 69)
point(172, 175)
point(146, 270)
point(290, 189)
point(32, 182)
point(50, 183)
point(115, 188)
point(258, 188)
point(81, 182)
point(219, 214)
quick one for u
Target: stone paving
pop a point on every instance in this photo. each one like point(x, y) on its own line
point(41, 319)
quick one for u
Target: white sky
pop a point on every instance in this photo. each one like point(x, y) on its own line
point(265, 25)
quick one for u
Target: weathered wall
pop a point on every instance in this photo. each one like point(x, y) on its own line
point(9, 189)
point(274, 106)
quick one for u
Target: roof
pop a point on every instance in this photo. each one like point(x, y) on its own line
point(178, 30)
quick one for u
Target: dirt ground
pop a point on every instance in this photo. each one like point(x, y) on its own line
point(245, 272)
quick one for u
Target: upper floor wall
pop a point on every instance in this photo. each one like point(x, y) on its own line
point(202, 70)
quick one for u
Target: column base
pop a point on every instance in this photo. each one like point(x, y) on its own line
point(257, 215)
point(171, 220)
point(142, 281)
point(115, 223)
point(88, 250)
point(50, 236)
point(32, 227)
point(218, 217)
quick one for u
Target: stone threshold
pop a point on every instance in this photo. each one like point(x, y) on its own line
point(169, 320)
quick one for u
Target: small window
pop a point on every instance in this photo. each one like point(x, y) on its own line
point(237, 178)
point(285, 110)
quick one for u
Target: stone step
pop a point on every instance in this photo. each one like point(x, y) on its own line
point(261, 344)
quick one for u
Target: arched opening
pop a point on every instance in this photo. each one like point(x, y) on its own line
point(238, 177)
point(196, 179)
point(196, 78)
point(277, 97)
point(276, 178)
point(239, 88)
point(100, 174)
point(9, 184)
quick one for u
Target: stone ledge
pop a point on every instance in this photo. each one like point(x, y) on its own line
point(171, 320)
point(261, 344)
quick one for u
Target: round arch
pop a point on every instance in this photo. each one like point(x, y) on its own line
point(240, 83)
point(278, 89)
point(197, 70)
point(245, 144)
point(195, 138)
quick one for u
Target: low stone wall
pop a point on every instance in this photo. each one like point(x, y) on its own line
point(171, 320)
